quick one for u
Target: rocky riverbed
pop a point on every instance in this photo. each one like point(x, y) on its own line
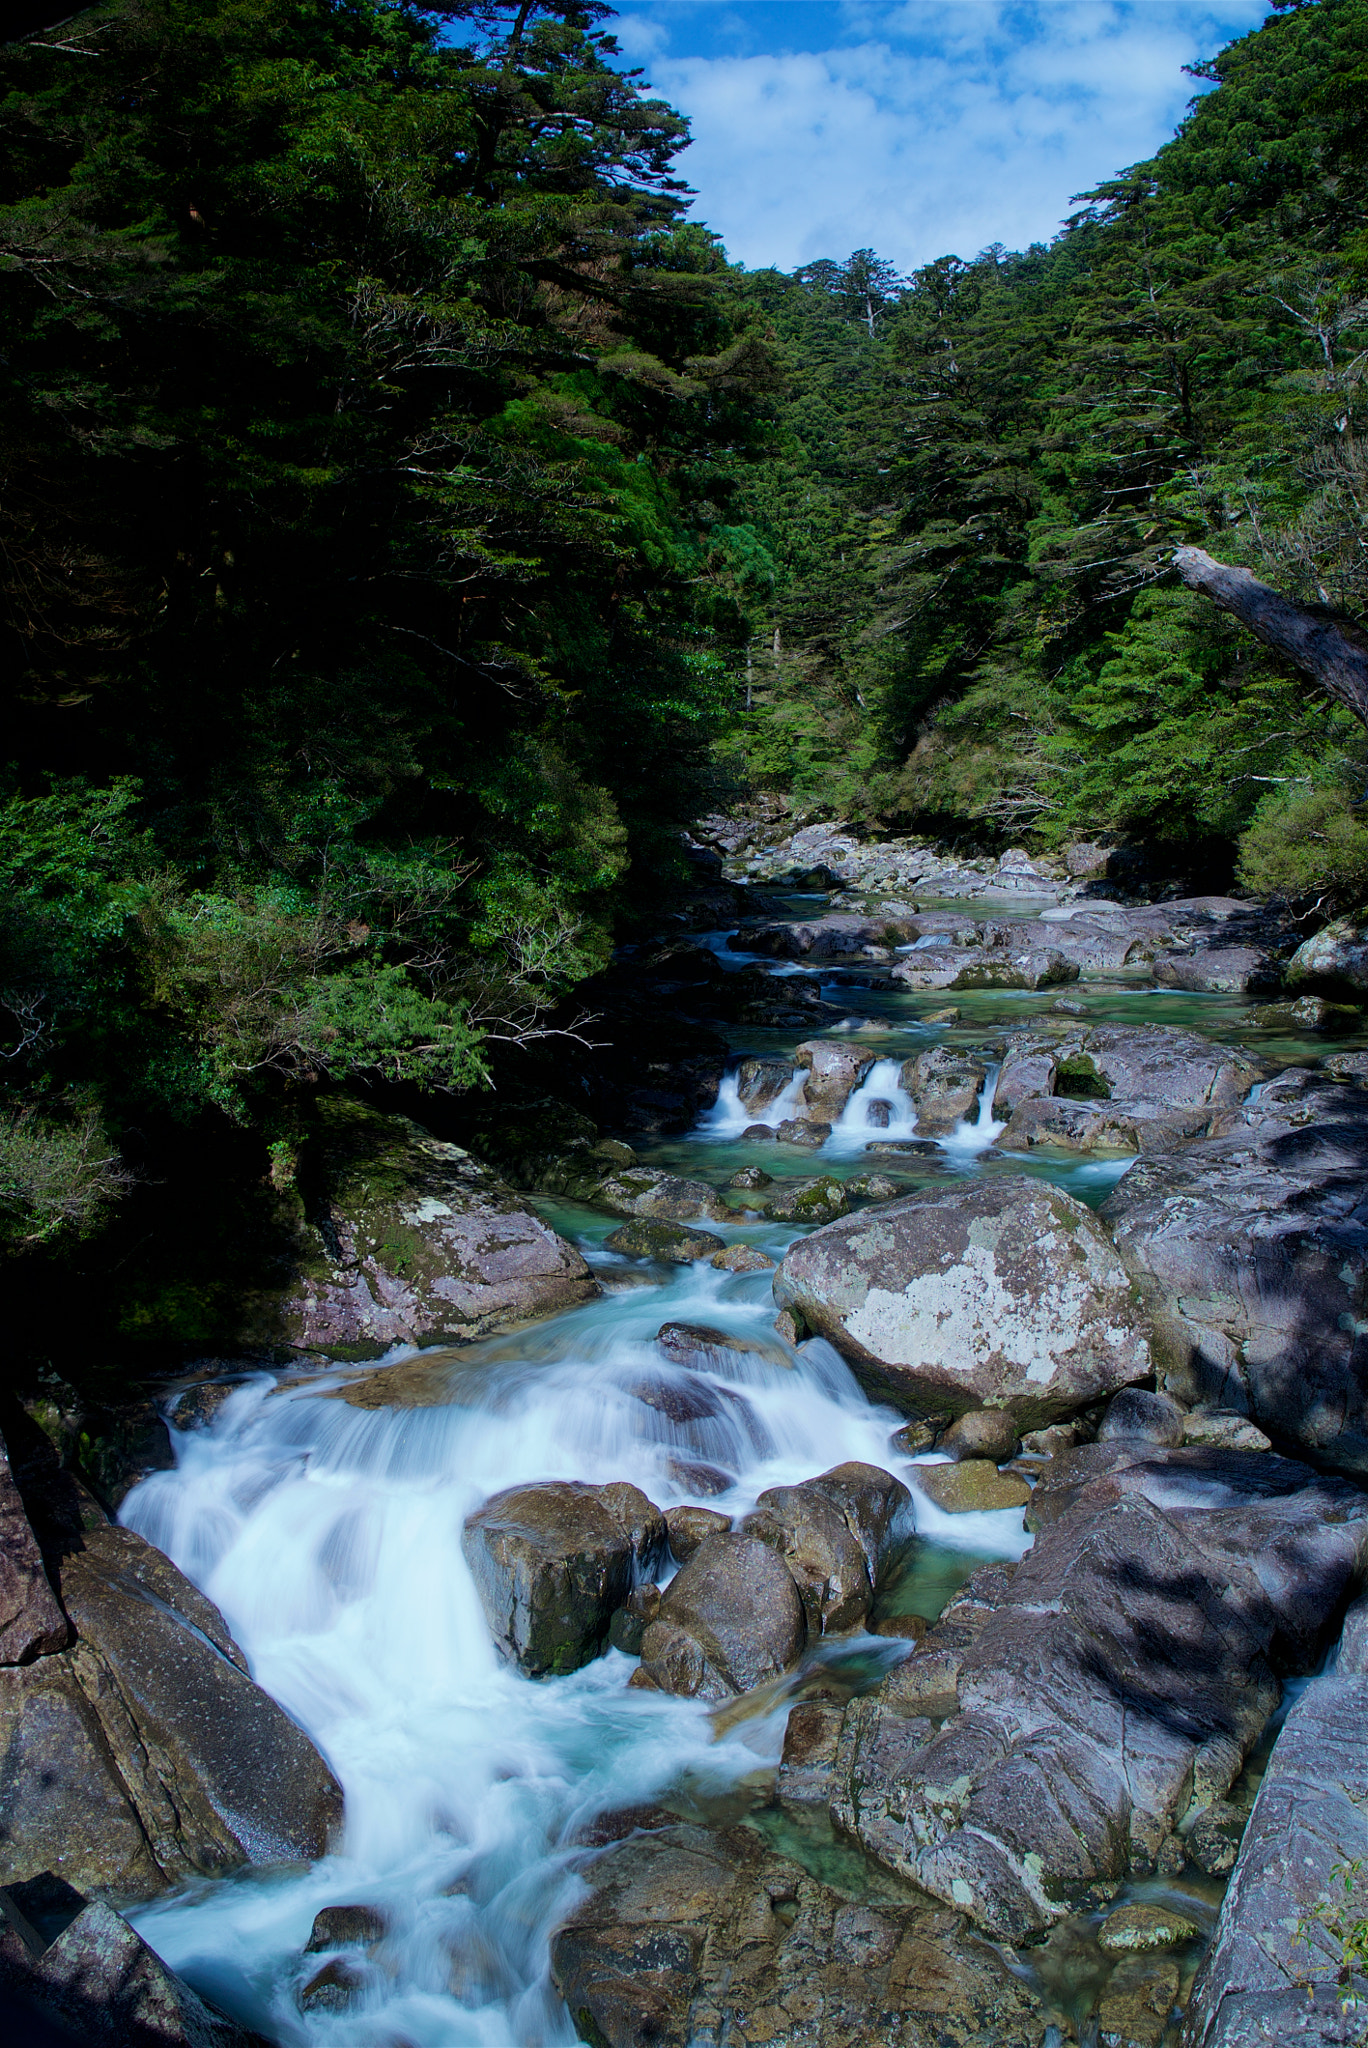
point(810, 1521)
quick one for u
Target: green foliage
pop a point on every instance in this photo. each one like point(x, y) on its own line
point(1310, 846)
point(1339, 1914)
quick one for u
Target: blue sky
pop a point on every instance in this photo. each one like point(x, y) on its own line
point(917, 127)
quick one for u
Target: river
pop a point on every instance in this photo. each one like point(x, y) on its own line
point(330, 1537)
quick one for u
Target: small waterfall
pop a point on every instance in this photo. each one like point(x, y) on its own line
point(729, 1115)
point(853, 1131)
point(967, 1139)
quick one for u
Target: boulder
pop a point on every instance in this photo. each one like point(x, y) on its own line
point(663, 1197)
point(972, 1486)
point(1334, 961)
point(644, 1239)
point(1071, 1126)
point(840, 936)
point(701, 1347)
point(1002, 1293)
point(817, 1198)
point(732, 1619)
point(1135, 1930)
point(751, 1177)
point(1221, 1430)
point(552, 1563)
point(1309, 1013)
point(760, 1082)
point(798, 1131)
point(1137, 2002)
point(1272, 1973)
point(1251, 1253)
point(690, 1935)
point(407, 1239)
point(1144, 1073)
point(1155, 1418)
point(742, 1258)
point(835, 1068)
point(100, 1979)
point(1105, 1690)
point(944, 1083)
point(835, 1533)
point(1220, 969)
point(981, 1433)
point(144, 1754)
point(31, 1622)
point(1018, 967)
point(690, 1526)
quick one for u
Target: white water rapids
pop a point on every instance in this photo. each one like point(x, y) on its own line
point(330, 1536)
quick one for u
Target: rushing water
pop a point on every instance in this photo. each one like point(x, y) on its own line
point(330, 1536)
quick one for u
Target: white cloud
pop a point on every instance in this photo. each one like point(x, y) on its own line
point(955, 124)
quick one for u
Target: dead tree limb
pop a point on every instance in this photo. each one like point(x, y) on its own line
point(1328, 650)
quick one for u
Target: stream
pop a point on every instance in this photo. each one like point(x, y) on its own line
point(330, 1537)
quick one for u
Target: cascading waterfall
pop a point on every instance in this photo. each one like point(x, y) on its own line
point(970, 1137)
point(854, 1130)
point(330, 1536)
point(729, 1115)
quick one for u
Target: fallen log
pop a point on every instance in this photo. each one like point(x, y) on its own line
point(1330, 651)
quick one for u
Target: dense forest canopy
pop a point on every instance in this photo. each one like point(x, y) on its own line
point(410, 522)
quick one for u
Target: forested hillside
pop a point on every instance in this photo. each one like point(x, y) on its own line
point(410, 525)
point(956, 563)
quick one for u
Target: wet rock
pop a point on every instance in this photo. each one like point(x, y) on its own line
point(818, 1198)
point(872, 1187)
point(1136, 2006)
point(949, 1015)
point(551, 1564)
point(1102, 1127)
point(835, 1533)
point(835, 1068)
point(732, 1619)
point(878, 1114)
point(742, 1258)
point(807, 1768)
point(1220, 1430)
point(665, 1197)
point(751, 1177)
point(1046, 1443)
point(642, 1239)
point(703, 1348)
point(1114, 1680)
point(1308, 1013)
point(1133, 1930)
point(1251, 1253)
point(334, 1988)
point(409, 1240)
point(1213, 1840)
point(904, 1148)
point(810, 1137)
point(981, 1433)
point(914, 1437)
point(690, 1526)
point(699, 1478)
point(762, 1134)
point(1261, 1983)
point(908, 1628)
point(973, 1486)
point(839, 936)
point(196, 1406)
point(759, 1083)
point(1025, 967)
point(631, 1621)
point(1002, 1293)
point(1155, 1417)
point(102, 1980)
point(691, 1935)
point(944, 1083)
point(1220, 969)
point(1333, 962)
point(31, 1622)
point(789, 1327)
point(144, 1753)
point(345, 1927)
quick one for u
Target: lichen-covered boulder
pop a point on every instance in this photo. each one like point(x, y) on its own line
point(813, 1198)
point(835, 1068)
point(730, 1620)
point(664, 1197)
point(1333, 961)
point(1004, 1293)
point(552, 1563)
point(406, 1239)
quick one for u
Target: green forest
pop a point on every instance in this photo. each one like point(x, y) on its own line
point(412, 522)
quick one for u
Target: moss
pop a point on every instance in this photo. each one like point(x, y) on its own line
point(1078, 1079)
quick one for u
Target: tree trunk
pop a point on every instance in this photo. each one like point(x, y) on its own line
point(1331, 651)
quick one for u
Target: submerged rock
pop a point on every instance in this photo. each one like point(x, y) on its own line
point(409, 1240)
point(690, 1935)
point(553, 1562)
point(1132, 1930)
point(1003, 1293)
point(732, 1619)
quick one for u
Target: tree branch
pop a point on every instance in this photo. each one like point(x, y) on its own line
point(1330, 651)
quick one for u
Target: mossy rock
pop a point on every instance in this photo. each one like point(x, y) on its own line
point(1077, 1078)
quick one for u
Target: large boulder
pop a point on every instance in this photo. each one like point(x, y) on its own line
point(1273, 1971)
point(1218, 969)
point(835, 1533)
point(759, 1082)
point(835, 1068)
point(553, 1562)
point(1003, 1293)
point(406, 1239)
point(1251, 1252)
point(807, 1198)
point(100, 1979)
point(1108, 1688)
point(1333, 961)
point(31, 1622)
point(732, 1619)
point(690, 1935)
point(1145, 1071)
point(840, 936)
point(144, 1754)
